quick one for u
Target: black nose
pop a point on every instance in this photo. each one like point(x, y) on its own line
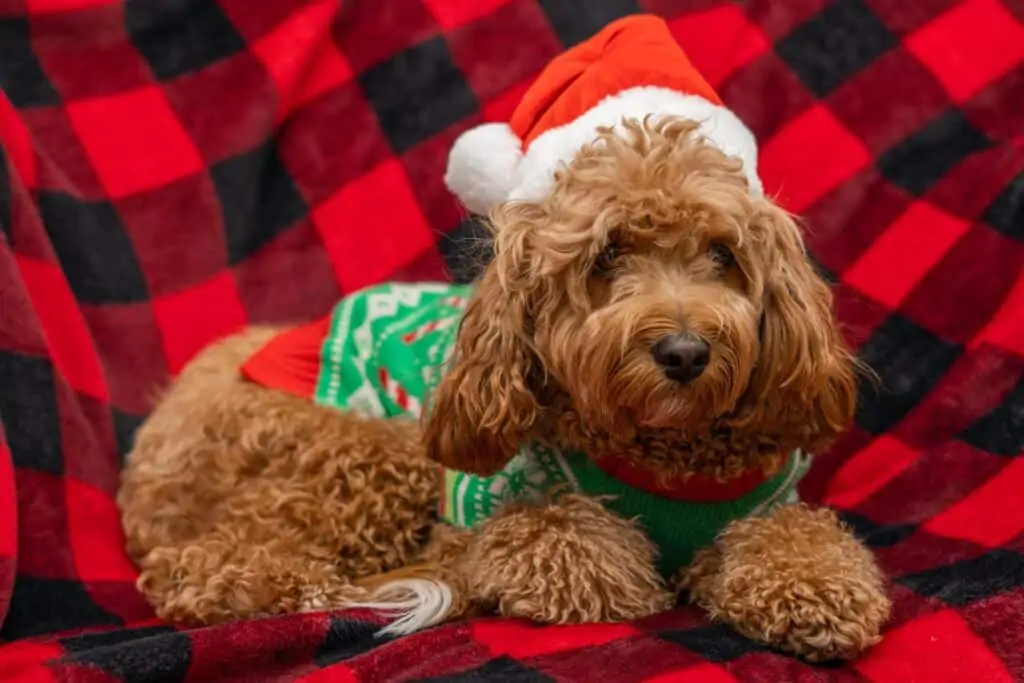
point(682, 357)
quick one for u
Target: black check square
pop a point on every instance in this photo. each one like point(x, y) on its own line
point(576, 20)
point(876, 535)
point(22, 78)
point(503, 669)
point(835, 44)
point(163, 656)
point(94, 249)
point(716, 643)
point(28, 405)
point(42, 606)
point(919, 161)
point(967, 581)
point(178, 37)
point(125, 426)
point(258, 199)
point(418, 93)
point(345, 639)
point(909, 360)
point(1002, 430)
point(91, 641)
point(1006, 213)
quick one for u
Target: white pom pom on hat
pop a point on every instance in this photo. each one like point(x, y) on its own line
point(483, 166)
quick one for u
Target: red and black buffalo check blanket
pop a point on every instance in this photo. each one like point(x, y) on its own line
point(171, 170)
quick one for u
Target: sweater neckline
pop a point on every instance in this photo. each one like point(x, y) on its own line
point(684, 487)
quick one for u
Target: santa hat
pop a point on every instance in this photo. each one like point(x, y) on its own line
point(632, 68)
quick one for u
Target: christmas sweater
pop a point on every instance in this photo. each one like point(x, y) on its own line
point(382, 350)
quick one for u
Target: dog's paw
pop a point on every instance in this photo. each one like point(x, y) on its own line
point(797, 581)
point(564, 563)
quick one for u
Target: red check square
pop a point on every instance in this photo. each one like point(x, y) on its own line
point(372, 226)
point(499, 108)
point(177, 233)
point(65, 166)
point(990, 261)
point(519, 640)
point(43, 547)
point(192, 318)
point(1006, 328)
point(224, 109)
point(988, 502)
point(970, 46)
point(810, 156)
point(915, 241)
point(254, 19)
point(8, 509)
point(737, 41)
point(450, 14)
point(100, 60)
point(372, 32)
point(936, 647)
point(702, 673)
point(868, 471)
point(504, 48)
point(94, 531)
point(134, 140)
point(301, 57)
point(53, 6)
point(17, 143)
point(87, 439)
point(67, 336)
point(134, 362)
point(295, 255)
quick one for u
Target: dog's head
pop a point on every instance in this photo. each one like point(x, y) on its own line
point(649, 292)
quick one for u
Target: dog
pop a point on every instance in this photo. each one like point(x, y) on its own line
point(649, 313)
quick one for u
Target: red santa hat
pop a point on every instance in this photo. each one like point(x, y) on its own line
point(631, 69)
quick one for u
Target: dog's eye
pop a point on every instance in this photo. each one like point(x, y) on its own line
point(605, 261)
point(722, 255)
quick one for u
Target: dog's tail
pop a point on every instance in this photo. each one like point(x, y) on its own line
point(417, 597)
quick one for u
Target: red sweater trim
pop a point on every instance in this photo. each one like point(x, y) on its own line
point(290, 362)
point(694, 487)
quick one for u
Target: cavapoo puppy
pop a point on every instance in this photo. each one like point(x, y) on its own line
point(618, 410)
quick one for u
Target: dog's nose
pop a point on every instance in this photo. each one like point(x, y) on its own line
point(682, 357)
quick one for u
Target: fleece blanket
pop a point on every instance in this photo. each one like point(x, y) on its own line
point(171, 170)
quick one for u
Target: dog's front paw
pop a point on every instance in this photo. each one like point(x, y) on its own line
point(796, 580)
point(564, 563)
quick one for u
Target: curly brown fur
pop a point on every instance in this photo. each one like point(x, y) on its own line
point(563, 563)
point(797, 580)
point(239, 500)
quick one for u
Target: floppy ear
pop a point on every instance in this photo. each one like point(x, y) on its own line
point(804, 388)
point(484, 406)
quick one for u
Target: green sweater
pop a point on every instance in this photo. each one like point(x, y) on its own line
point(385, 350)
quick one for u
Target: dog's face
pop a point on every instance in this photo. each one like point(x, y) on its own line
point(648, 291)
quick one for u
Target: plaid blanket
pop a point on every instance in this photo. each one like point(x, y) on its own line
point(174, 169)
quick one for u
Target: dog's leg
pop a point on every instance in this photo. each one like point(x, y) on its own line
point(568, 562)
point(238, 500)
point(797, 580)
point(218, 578)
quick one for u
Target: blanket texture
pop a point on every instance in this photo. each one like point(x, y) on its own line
point(171, 170)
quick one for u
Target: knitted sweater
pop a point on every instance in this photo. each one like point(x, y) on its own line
point(382, 350)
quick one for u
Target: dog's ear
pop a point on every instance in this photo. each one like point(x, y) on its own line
point(484, 406)
point(804, 387)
